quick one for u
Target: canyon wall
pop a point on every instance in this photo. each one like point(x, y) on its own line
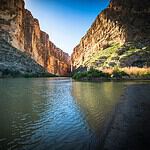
point(22, 30)
point(122, 26)
point(11, 22)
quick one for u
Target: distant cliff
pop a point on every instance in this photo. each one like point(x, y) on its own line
point(120, 36)
point(19, 28)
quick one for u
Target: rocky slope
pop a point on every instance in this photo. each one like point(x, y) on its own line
point(19, 28)
point(14, 62)
point(120, 36)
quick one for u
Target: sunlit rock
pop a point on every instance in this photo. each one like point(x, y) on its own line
point(19, 28)
point(121, 22)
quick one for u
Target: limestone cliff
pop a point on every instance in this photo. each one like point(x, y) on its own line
point(19, 28)
point(11, 22)
point(120, 36)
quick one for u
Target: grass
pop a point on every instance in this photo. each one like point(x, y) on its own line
point(130, 71)
point(105, 53)
point(109, 61)
point(114, 54)
point(135, 71)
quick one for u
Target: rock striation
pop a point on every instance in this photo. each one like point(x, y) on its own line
point(116, 37)
point(19, 28)
point(11, 22)
point(15, 63)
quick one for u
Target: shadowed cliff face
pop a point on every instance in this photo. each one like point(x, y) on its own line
point(11, 22)
point(122, 22)
point(22, 30)
point(15, 63)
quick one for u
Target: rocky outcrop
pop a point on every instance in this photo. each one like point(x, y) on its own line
point(16, 63)
point(11, 22)
point(123, 23)
point(22, 30)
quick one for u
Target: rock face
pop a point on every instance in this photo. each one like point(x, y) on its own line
point(14, 62)
point(11, 22)
point(123, 23)
point(19, 28)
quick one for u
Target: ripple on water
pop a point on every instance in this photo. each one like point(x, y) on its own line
point(55, 114)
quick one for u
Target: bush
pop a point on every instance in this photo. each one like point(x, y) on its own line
point(92, 73)
point(118, 73)
point(97, 73)
point(79, 75)
point(146, 75)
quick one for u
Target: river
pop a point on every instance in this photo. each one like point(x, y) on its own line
point(55, 113)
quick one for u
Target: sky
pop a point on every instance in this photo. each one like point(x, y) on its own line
point(66, 21)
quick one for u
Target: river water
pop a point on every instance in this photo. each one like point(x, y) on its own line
point(55, 113)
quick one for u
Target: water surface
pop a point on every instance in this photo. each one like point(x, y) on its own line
point(55, 113)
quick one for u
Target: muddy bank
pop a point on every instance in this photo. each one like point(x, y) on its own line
point(130, 127)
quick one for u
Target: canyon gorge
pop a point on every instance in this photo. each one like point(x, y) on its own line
point(98, 98)
point(119, 36)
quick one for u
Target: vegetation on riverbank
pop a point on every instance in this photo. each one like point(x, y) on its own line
point(113, 73)
point(9, 73)
point(92, 73)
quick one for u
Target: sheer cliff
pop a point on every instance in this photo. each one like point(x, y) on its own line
point(19, 28)
point(120, 36)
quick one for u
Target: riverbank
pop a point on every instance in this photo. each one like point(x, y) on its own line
point(130, 126)
point(8, 74)
point(115, 74)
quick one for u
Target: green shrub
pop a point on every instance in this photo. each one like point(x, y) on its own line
point(146, 75)
point(92, 73)
point(79, 75)
point(118, 74)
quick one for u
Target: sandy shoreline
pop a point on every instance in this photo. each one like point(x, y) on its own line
point(130, 126)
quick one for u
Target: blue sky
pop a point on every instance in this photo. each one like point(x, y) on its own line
point(66, 21)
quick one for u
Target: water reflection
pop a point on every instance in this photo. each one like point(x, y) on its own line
point(54, 113)
point(96, 101)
